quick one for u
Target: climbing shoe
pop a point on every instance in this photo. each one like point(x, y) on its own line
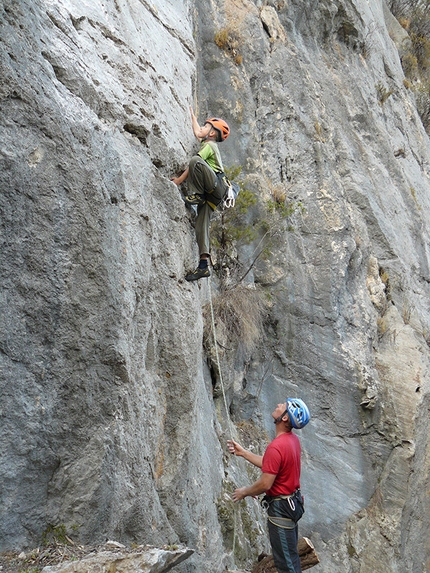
point(198, 274)
point(194, 199)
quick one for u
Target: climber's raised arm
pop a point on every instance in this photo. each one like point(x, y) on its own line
point(200, 132)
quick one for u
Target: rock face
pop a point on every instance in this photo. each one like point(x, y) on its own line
point(149, 560)
point(112, 422)
point(104, 406)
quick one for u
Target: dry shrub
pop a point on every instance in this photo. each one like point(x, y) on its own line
point(229, 40)
point(278, 193)
point(383, 93)
point(421, 50)
point(222, 39)
point(240, 313)
point(404, 22)
point(382, 327)
point(422, 98)
point(410, 65)
point(401, 8)
point(320, 132)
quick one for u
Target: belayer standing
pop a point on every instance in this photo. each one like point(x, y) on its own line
point(280, 480)
point(205, 184)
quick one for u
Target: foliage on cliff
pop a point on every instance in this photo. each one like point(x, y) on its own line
point(414, 16)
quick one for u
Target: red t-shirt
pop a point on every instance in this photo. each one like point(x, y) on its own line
point(282, 458)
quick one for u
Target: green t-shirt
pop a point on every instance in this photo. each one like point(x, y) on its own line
point(209, 152)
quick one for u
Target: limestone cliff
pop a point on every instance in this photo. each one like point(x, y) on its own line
point(113, 421)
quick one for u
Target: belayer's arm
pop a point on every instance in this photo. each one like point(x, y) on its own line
point(237, 450)
point(260, 486)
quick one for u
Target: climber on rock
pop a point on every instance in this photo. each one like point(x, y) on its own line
point(206, 185)
point(280, 481)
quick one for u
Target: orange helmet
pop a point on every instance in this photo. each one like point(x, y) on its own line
point(221, 126)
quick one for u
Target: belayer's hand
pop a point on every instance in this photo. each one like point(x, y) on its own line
point(234, 448)
point(238, 494)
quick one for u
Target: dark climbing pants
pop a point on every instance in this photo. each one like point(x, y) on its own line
point(202, 180)
point(283, 538)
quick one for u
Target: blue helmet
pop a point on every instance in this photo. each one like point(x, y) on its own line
point(298, 412)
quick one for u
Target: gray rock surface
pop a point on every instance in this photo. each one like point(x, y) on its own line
point(109, 421)
point(101, 340)
point(149, 560)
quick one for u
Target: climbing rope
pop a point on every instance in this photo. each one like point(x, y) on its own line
point(229, 423)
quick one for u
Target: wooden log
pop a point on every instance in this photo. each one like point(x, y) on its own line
point(309, 560)
point(307, 554)
point(304, 546)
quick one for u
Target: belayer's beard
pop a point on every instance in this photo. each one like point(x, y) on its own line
point(278, 420)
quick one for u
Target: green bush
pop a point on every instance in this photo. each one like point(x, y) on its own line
point(56, 534)
point(243, 225)
point(232, 228)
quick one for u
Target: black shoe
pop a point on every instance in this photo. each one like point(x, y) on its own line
point(194, 199)
point(198, 274)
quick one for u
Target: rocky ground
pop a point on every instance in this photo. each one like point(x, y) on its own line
point(59, 557)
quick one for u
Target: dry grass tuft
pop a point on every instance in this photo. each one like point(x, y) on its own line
point(240, 313)
point(228, 39)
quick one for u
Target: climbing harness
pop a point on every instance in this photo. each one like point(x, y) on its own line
point(282, 522)
point(266, 501)
point(295, 502)
point(230, 190)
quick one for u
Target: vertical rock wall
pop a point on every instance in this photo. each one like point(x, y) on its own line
point(317, 95)
point(108, 423)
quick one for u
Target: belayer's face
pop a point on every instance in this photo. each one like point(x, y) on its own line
point(279, 410)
